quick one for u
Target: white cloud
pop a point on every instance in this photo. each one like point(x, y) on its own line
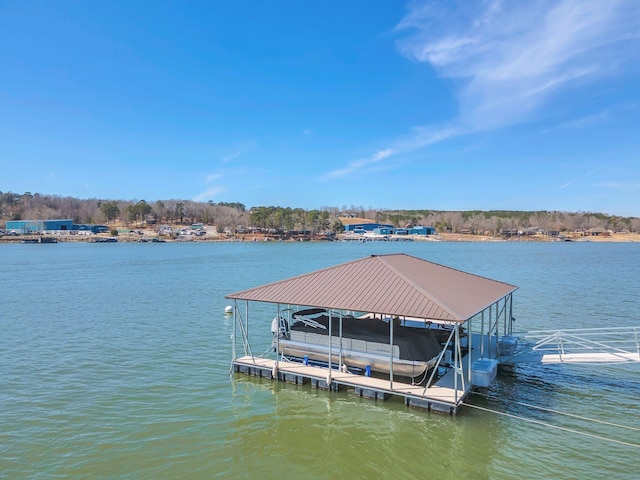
point(210, 194)
point(239, 150)
point(580, 178)
point(510, 57)
point(358, 164)
point(582, 122)
point(424, 136)
point(420, 137)
point(380, 154)
point(231, 157)
point(213, 177)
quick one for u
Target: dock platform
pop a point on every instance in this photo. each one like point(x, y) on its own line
point(440, 397)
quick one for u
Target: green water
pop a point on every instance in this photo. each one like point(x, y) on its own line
point(115, 364)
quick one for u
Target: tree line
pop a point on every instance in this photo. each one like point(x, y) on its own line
point(235, 216)
point(28, 206)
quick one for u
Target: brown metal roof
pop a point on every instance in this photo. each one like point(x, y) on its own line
point(396, 284)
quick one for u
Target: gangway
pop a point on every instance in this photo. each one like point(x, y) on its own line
point(573, 346)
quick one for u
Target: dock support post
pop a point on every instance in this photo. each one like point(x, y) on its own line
point(489, 334)
point(456, 362)
point(246, 320)
point(391, 321)
point(482, 335)
point(275, 366)
point(510, 313)
point(235, 320)
point(469, 349)
point(497, 324)
point(340, 356)
point(330, 322)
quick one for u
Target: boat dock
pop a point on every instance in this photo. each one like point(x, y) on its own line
point(445, 395)
point(375, 324)
point(412, 314)
point(437, 397)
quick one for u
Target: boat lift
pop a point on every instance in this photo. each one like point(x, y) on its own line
point(573, 346)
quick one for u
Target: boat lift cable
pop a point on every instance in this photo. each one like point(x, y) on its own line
point(544, 409)
point(545, 424)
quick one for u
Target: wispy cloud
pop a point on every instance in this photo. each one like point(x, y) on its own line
point(212, 190)
point(210, 194)
point(238, 151)
point(582, 122)
point(231, 157)
point(509, 58)
point(620, 185)
point(424, 136)
point(419, 137)
point(358, 164)
point(213, 177)
point(582, 176)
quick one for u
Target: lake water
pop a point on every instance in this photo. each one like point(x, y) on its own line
point(115, 363)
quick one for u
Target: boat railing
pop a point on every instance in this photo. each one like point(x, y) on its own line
point(588, 345)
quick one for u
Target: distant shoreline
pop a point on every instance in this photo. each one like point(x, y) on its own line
point(150, 236)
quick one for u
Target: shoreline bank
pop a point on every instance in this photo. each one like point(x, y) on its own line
point(150, 236)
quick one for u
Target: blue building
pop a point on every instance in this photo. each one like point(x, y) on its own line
point(369, 227)
point(24, 226)
point(41, 226)
point(91, 228)
point(38, 226)
point(420, 230)
point(59, 225)
point(383, 230)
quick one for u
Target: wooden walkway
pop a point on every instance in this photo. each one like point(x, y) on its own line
point(436, 397)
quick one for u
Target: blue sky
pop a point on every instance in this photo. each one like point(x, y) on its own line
point(423, 105)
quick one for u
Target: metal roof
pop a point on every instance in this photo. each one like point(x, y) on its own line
point(395, 284)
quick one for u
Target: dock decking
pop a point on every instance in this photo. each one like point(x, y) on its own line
point(437, 397)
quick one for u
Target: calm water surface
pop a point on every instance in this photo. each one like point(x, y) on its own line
point(115, 364)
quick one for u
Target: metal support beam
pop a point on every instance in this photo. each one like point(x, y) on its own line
point(482, 335)
point(330, 350)
point(391, 354)
point(275, 366)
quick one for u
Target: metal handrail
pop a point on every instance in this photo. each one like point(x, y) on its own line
point(586, 340)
